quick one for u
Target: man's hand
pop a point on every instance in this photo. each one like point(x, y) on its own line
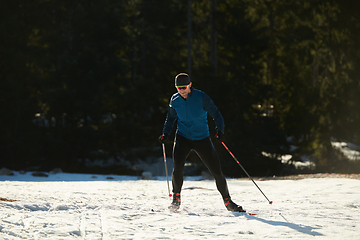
point(219, 136)
point(163, 138)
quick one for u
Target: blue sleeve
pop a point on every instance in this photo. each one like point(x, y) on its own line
point(170, 119)
point(214, 112)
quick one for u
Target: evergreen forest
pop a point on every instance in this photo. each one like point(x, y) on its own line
point(86, 80)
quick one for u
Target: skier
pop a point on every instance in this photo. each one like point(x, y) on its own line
point(190, 107)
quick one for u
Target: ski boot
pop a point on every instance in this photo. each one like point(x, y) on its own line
point(175, 205)
point(232, 207)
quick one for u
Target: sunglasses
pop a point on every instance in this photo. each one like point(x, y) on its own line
point(182, 87)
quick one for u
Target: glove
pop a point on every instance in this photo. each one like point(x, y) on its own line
point(163, 138)
point(219, 136)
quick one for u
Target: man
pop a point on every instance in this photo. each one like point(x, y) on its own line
point(190, 107)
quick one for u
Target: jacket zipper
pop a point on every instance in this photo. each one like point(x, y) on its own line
point(187, 119)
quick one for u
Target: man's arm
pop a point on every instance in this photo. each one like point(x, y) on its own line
point(170, 120)
point(214, 112)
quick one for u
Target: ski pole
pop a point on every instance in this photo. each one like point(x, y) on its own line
point(166, 171)
point(270, 202)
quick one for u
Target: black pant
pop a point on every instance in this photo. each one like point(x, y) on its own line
point(206, 151)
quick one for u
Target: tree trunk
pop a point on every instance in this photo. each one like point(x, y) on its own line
point(189, 38)
point(213, 37)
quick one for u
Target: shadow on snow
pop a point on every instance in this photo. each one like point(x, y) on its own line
point(298, 227)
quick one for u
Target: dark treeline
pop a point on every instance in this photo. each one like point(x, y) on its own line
point(92, 79)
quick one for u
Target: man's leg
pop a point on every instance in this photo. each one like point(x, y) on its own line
point(181, 151)
point(208, 155)
point(206, 151)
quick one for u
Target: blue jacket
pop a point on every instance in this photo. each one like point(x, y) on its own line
point(192, 115)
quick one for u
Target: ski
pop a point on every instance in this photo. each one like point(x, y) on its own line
point(250, 214)
point(245, 213)
point(174, 208)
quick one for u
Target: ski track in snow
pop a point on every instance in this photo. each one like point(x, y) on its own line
point(137, 209)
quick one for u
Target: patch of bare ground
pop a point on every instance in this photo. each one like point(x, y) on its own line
point(7, 200)
point(305, 176)
point(315, 175)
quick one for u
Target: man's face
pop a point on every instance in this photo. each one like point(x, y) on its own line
point(184, 90)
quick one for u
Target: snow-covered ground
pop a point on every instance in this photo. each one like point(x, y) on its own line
point(78, 206)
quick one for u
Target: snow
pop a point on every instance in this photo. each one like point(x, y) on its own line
point(350, 150)
point(80, 206)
